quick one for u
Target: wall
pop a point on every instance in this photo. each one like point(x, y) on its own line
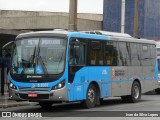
point(18, 20)
point(148, 17)
point(112, 15)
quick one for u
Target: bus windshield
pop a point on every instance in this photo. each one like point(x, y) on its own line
point(39, 56)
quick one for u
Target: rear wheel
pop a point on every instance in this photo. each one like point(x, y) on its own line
point(46, 104)
point(135, 94)
point(91, 97)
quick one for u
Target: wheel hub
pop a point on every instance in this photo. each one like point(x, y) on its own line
point(91, 95)
point(136, 92)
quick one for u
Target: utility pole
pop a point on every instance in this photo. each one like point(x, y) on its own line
point(2, 72)
point(123, 16)
point(73, 15)
point(135, 18)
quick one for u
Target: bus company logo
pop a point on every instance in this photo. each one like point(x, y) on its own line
point(33, 86)
point(29, 76)
point(119, 72)
point(35, 76)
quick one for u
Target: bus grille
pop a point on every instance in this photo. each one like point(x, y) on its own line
point(40, 96)
point(33, 89)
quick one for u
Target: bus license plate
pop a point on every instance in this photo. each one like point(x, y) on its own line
point(32, 95)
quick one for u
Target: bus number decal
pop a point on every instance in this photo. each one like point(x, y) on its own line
point(43, 85)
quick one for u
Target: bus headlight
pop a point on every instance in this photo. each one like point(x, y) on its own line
point(11, 85)
point(59, 85)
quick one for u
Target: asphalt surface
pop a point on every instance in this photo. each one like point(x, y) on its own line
point(5, 102)
point(112, 108)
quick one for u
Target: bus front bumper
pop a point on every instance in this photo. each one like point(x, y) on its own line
point(53, 95)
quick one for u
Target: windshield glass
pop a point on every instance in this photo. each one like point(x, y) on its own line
point(39, 56)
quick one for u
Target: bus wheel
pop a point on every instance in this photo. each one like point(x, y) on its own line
point(135, 93)
point(46, 104)
point(91, 95)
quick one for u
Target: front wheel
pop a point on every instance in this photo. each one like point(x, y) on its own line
point(91, 95)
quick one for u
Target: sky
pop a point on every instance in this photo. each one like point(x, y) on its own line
point(84, 6)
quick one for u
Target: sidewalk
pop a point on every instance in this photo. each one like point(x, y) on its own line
point(5, 102)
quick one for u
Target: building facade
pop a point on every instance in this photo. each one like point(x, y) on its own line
point(148, 17)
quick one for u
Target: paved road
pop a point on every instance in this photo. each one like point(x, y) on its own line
point(112, 107)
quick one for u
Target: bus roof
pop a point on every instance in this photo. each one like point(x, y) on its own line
point(124, 39)
point(107, 33)
point(85, 34)
point(40, 33)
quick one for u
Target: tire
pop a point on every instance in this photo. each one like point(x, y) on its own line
point(135, 94)
point(46, 104)
point(91, 97)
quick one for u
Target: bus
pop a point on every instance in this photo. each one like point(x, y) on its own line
point(158, 55)
point(158, 59)
point(63, 66)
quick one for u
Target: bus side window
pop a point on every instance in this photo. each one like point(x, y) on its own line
point(111, 54)
point(108, 53)
point(96, 54)
point(124, 59)
point(153, 54)
point(135, 57)
point(145, 55)
point(77, 54)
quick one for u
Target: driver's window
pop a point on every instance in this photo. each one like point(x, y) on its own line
point(77, 53)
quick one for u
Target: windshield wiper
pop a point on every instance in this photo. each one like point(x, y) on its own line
point(34, 55)
point(39, 57)
point(59, 62)
point(44, 66)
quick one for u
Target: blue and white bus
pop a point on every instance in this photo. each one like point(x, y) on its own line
point(62, 66)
